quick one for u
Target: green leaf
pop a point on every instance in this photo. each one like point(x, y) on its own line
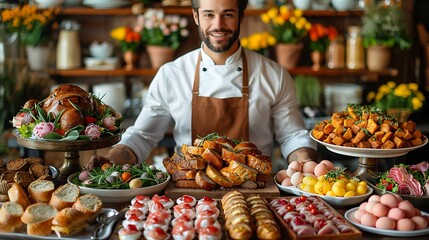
point(71, 135)
point(84, 137)
point(53, 135)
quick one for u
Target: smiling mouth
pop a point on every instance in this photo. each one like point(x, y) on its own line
point(219, 36)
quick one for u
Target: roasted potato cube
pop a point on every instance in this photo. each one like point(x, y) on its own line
point(372, 126)
point(348, 134)
point(379, 135)
point(386, 137)
point(364, 144)
point(348, 144)
point(355, 129)
point(416, 142)
point(399, 133)
point(339, 130)
point(362, 124)
point(328, 128)
point(407, 135)
point(337, 121)
point(385, 127)
point(358, 138)
point(388, 145)
point(348, 122)
point(339, 140)
point(328, 140)
point(410, 126)
point(376, 144)
point(417, 134)
point(399, 142)
point(319, 135)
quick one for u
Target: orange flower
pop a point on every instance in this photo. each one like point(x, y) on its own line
point(320, 36)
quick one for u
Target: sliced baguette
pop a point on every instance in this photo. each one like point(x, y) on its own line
point(183, 174)
point(204, 181)
point(38, 217)
point(65, 196)
point(229, 155)
point(41, 190)
point(90, 205)
point(69, 222)
point(10, 214)
point(217, 177)
point(18, 194)
point(213, 157)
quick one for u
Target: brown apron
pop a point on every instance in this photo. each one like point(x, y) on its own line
point(228, 117)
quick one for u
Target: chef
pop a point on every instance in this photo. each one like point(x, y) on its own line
point(220, 87)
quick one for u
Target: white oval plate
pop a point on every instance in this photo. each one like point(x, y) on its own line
point(121, 195)
point(349, 215)
point(333, 201)
point(367, 152)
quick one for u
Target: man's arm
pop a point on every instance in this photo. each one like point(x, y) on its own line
point(302, 154)
point(121, 154)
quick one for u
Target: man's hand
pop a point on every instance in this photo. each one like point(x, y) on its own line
point(303, 154)
point(96, 161)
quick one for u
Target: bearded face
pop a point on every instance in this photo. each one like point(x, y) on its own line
point(219, 40)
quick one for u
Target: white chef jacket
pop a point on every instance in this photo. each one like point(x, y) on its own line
point(273, 107)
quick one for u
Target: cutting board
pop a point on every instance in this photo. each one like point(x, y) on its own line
point(269, 191)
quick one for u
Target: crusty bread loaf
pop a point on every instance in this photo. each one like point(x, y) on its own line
point(8, 176)
point(204, 181)
point(244, 145)
point(38, 217)
point(24, 178)
point(230, 155)
point(190, 163)
point(64, 196)
point(10, 214)
point(213, 157)
point(262, 163)
point(243, 171)
point(231, 176)
point(41, 190)
point(187, 183)
point(18, 194)
point(217, 177)
point(17, 164)
point(6, 228)
point(38, 170)
point(184, 174)
point(90, 205)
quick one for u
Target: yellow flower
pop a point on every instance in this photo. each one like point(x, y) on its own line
point(416, 103)
point(258, 41)
point(370, 96)
point(391, 84)
point(118, 33)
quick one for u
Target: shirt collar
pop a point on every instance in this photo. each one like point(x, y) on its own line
point(235, 58)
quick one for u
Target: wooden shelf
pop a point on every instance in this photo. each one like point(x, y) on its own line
point(326, 72)
point(148, 72)
point(83, 72)
point(83, 11)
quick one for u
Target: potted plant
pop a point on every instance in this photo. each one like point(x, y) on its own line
point(259, 42)
point(35, 29)
point(383, 27)
point(129, 42)
point(397, 100)
point(162, 34)
point(289, 27)
point(320, 36)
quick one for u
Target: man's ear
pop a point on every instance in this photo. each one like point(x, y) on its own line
point(195, 15)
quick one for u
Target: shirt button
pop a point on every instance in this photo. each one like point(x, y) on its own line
point(239, 69)
point(204, 69)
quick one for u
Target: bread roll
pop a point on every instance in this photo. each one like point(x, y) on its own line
point(69, 221)
point(41, 190)
point(262, 163)
point(204, 181)
point(213, 157)
point(217, 177)
point(38, 217)
point(90, 205)
point(17, 194)
point(10, 214)
point(65, 196)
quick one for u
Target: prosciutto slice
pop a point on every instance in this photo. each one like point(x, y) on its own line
point(407, 184)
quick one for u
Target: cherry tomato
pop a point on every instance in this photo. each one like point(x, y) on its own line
point(106, 166)
point(311, 206)
point(303, 198)
point(125, 176)
point(290, 207)
point(314, 211)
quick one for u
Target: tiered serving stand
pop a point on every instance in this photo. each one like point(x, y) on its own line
point(70, 148)
point(368, 157)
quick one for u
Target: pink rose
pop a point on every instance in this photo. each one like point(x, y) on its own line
point(109, 122)
point(43, 128)
point(93, 131)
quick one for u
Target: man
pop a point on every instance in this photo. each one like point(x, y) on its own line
point(221, 88)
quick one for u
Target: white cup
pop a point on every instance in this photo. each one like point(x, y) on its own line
point(112, 94)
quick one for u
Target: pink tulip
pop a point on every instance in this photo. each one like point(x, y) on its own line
point(43, 128)
point(92, 131)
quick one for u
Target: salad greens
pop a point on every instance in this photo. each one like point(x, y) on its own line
point(113, 176)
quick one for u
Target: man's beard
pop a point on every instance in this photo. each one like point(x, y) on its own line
point(223, 48)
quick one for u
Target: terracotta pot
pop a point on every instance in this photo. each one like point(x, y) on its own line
point(288, 54)
point(317, 57)
point(377, 57)
point(158, 55)
point(130, 59)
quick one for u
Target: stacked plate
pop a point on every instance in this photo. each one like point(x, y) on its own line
point(103, 4)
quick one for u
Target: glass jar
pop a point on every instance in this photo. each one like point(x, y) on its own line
point(354, 50)
point(335, 54)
